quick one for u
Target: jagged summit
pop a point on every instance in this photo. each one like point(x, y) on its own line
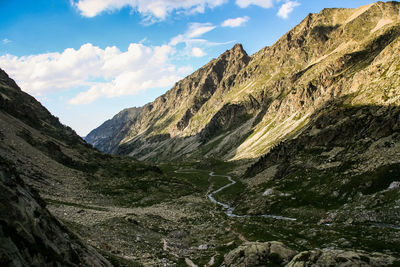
point(237, 51)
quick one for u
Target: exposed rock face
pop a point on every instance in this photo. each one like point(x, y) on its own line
point(239, 107)
point(259, 254)
point(89, 192)
point(30, 235)
point(277, 254)
point(342, 258)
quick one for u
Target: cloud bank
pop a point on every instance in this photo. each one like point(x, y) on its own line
point(158, 9)
point(105, 72)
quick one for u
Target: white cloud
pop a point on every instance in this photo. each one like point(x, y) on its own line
point(198, 52)
point(194, 31)
point(100, 72)
point(287, 8)
point(151, 9)
point(235, 22)
point(6, 41)
point(194, 44)
point(261, 3)
point(198, 29)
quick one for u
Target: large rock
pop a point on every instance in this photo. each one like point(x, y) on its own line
point(277, 254)
point(259, 254)
point(329, 257)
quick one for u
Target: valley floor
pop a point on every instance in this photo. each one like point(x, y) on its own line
point(189, 229)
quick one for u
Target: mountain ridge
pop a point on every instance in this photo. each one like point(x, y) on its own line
point(273, 93)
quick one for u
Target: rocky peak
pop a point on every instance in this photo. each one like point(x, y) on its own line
point(236, 51)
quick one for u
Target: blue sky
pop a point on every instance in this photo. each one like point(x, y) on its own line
point(86, 60)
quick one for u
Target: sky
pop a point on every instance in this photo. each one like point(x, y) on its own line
point(86, 60)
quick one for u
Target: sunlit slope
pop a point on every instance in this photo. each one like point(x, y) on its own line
point(238, 106)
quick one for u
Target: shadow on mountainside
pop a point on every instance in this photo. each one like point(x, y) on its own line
point(344, 166)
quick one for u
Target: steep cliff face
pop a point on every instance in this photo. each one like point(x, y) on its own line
point(238, 107)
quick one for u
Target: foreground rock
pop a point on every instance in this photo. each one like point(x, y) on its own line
point(329, 257)
point(259, 254)
point(30, 235)
point(277, 254)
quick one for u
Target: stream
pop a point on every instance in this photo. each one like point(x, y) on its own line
point(229, 210)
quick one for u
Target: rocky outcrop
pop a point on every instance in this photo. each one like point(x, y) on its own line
point(30, 235)
point(259, 254)
point(330, 257)
point(277, 254)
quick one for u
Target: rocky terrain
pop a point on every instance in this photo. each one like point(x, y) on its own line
point(308, 130)
point(30, 235)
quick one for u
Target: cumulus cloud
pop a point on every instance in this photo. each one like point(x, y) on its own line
point(261, 3)
point(100, 72)
point(233, 23)
point(287, 8)
point(158, 9)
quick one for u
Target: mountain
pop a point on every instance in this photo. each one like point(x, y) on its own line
point(47, 170)
point(29, 234)
point(315, 116)
point(239, 106)
point(161, 124)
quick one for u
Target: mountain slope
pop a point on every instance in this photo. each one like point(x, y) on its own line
point(269, 96)
point(29, 234)
point(79, 185)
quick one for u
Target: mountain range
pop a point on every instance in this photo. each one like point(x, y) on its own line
point(239, 106)
point(287, 157)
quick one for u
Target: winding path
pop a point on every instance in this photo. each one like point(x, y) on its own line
point(226, 207)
